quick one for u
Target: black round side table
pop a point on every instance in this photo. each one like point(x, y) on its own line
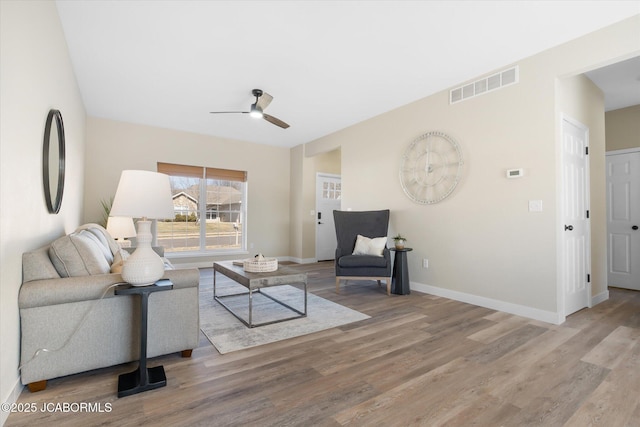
point(400, 278)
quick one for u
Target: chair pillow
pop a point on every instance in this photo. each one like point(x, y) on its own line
point(367, 246)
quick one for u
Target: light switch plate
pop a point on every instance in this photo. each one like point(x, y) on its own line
point(535, 205)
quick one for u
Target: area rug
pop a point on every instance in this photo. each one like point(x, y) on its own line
point(228, 334)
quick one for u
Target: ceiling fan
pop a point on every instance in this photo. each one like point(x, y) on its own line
point(263, 100)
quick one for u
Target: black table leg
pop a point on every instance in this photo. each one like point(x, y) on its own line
point(143, 378)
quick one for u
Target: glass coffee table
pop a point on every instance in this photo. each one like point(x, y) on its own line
point(254, 282)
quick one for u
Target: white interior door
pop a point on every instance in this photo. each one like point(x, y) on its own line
point(328, 199)
point(623, 220)
point(576, 245)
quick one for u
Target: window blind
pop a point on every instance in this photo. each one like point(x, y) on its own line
point(173, 169)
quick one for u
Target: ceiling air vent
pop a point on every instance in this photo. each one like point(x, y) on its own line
point(495, 81)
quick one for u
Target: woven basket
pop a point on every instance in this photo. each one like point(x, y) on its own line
point(264, 266)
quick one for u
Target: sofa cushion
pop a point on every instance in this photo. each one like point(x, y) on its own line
point(78, 254)
point(360, 261)
point(36, 265)
point(367, 246)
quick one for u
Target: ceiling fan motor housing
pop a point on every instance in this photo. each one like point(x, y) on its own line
point(257, 109)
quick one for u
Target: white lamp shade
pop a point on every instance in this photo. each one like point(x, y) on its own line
point(143, 194)
point(146, 195)
point(120, 227)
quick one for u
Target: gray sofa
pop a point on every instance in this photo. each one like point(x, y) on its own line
point(71, 321)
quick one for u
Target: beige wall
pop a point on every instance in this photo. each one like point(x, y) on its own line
point(326, 162)
point(623, 128)
point(36, 76)
point(113, 146)
point(304, 167)
point(482, 243)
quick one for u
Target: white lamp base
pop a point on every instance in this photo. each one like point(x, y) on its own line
point(144, 266)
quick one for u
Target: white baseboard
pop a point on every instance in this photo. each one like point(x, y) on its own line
point(209, 263)
point(300, 260)
point(601, 297)
point(507, 307)
point(200, 264)
point(12, 398)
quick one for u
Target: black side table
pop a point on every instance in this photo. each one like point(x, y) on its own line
point(400, 281)
point(143, 378)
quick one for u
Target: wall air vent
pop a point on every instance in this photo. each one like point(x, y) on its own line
point(495, 81)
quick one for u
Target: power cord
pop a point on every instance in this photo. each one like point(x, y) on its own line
point(82, 321)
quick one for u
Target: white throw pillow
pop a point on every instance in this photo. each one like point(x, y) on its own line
point(367, 246)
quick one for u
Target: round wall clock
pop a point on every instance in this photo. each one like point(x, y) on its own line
point(431, 168)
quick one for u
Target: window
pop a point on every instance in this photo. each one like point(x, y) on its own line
point(331, 190)
point(210, 210)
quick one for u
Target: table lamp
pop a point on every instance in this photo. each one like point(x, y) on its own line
point(145, 195)
point(121, 227)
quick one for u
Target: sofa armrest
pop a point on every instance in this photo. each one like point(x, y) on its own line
point(38, 293)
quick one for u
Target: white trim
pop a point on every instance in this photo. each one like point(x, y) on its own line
point(10, 399)
point(203, 254)
point(601, 297)
point(209, 262)
point(197, 264)
point(301, 260)
point(623, 151)
point(507, 307)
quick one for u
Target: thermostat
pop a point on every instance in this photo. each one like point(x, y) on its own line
point(515, 173)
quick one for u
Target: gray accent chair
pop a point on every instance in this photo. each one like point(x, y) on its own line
point(369, 224)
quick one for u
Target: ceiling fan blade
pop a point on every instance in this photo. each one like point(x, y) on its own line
point(275, 121)
point(228, 112)
point(264, 100)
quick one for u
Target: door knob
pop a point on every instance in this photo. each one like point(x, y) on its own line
point(568, 227)
point(635, 227)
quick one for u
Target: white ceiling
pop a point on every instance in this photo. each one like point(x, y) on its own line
point(328, 64)
point(620, 83)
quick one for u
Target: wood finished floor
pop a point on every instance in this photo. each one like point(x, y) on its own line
point(420, 360)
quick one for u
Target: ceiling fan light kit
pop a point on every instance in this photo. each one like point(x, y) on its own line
point(256, 112)
point(263, 100)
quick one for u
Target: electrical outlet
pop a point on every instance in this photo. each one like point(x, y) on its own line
point(425, 263)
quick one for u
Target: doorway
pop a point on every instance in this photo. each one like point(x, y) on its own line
point(623, 218)
point(575, 232)
point(328, 199)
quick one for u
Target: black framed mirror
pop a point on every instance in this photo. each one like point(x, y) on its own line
point(53, 147)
